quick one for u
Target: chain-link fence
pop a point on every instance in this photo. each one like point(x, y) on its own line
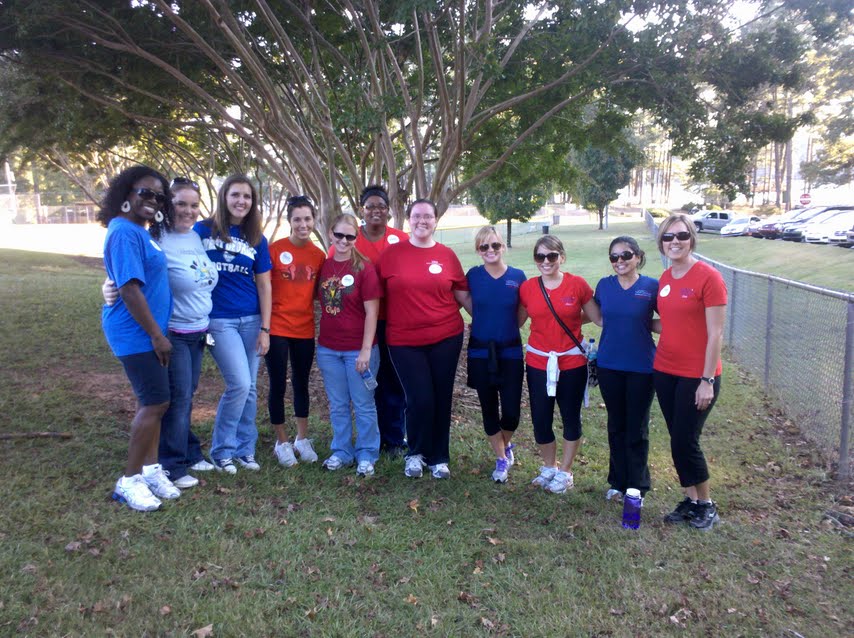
point(456, 236)
point(799, 339)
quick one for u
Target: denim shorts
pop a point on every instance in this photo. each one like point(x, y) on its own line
point(149, 379)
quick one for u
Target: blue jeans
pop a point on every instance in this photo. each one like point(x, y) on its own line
point(179, 447)
point(235, 432)
point(343, 386)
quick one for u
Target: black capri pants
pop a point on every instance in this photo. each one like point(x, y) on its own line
point(301, 354)
point(685, 424)
point(503, 388)
point(569, 397)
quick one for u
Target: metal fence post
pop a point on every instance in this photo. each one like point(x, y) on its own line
point(769, 318)
point(844, 469)
point(731, 342)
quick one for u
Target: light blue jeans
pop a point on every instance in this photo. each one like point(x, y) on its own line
point(235, 432)
point(344, 386)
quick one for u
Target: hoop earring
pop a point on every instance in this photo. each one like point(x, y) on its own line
point(126, 206)
point(158, 216)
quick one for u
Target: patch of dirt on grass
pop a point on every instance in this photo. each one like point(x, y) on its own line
point(90, 262)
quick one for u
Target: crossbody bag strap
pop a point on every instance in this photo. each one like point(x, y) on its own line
point(558, 319)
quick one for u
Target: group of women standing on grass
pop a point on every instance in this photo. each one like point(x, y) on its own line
point(396, 315)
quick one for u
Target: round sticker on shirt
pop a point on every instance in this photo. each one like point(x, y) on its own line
point(286, 258)
point(393, 239)
point(347, 280)
point(665, 291)
point(435, 269)
point(154, 243)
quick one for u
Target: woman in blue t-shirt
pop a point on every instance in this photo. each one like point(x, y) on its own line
point(495, 363)
point(239, 319)
point(626, 351)
point(135, 326)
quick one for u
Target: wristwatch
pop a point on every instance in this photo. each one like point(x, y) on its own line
point(267, 330)
point(709, 380)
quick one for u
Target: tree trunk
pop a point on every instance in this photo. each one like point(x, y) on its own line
point(509, 233)
point(601, 217)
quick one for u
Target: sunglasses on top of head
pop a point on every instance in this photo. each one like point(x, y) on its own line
point(551, 257)
point(682, 235)
point(346, 236)
point(496, 246)
point(147, 193)
point(183, 181)
point(626, 255)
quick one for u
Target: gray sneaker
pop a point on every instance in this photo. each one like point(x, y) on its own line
point(285, 454)
point(414, 466)
point(561, 482)
point(545, 476)
point(365, 468)
point(305, 450)
point(158, 482)
point(440, 471)
point(248, 462)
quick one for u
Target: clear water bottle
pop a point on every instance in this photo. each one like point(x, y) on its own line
point(592, 350)
point(632, 503)
point(368, 378)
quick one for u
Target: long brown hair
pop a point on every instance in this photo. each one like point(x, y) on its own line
point(357, 259)
point(250, 227)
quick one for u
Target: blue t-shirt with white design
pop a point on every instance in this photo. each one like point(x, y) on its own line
point(495, 303)
point(626, 343)
point(236, 294)
point(130, 253)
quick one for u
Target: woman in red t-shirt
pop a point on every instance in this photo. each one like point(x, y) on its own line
point(296, 265)
point(556, 368)
point(424, 287)
point(692, 299)
point(347, 352)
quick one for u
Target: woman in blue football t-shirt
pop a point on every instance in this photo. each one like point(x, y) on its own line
point(495, 365)
point(626, 351)
point(135, 326)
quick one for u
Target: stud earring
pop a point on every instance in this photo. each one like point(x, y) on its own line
point(126, 206)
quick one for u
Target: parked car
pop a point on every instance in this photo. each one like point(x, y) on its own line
point(712, 219)
point(850, 235)
point(773, 226)
point(794, 231)
point(843, 238)
point(820, 232)
point(739, 227)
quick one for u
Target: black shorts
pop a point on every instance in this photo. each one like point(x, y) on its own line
point(149, 379)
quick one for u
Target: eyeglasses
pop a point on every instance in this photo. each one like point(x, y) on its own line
point(682, 235)
point(422, 218)
point(626, 255)
point(147, 193)
point(551, 257)
point(343, 236)
point(376, 209)
point(496, 246)
point(184, 181)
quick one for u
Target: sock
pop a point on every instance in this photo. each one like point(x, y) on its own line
point(709, 502)
point(149, 469)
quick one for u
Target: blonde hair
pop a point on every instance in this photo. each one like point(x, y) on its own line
point(675, 219)
point(357, 259)
point(483, 233)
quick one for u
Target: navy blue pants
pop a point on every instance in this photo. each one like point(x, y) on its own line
point(389, 398)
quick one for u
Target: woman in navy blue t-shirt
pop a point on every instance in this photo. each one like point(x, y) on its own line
point(626, 351)
point(495, 362)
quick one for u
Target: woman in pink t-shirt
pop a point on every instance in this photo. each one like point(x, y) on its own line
point(691, 302)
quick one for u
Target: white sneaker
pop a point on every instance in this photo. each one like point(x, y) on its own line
point(414, 466)
point(615, 495)
point(545, 476)
point(561, 482)
point(248, 462)
point(365, 468)
point(499, 474)
point(185, 482)
point(158, 482)
point(440, 471)
point(305, 451)
point(133, 491)
point(333, 463)
point(508, 454)
point(202, 466)
point(285, 454)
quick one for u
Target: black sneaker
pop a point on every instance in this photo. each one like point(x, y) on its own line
point(683, 512)
point(704, 517)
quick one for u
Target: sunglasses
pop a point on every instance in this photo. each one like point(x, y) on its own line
point(496, 246)
point(184, 181)
point(682, 235)
point(343, 236)
point(376, 209)
point(147, 193)
point(626, 255)
point(552, 257)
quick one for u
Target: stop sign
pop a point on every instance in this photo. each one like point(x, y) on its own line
point(806, 198)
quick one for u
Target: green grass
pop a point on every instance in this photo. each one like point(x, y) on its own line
point(303, 552)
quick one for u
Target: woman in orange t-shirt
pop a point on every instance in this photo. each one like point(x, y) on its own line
point(296, 265)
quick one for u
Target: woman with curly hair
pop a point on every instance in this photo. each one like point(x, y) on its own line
point(135, 326)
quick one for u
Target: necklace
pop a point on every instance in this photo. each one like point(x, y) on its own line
point(338, 271)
